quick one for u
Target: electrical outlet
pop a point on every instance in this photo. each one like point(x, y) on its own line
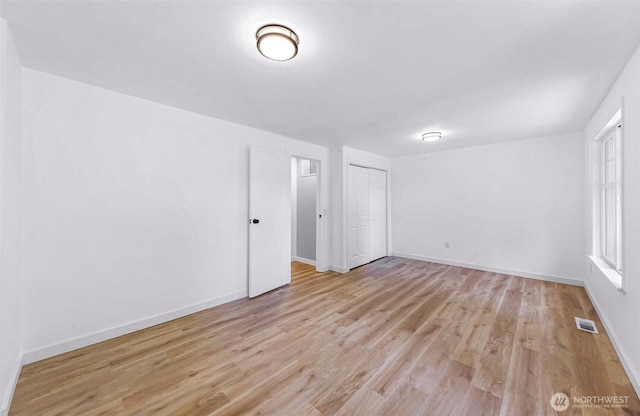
point(446, 244)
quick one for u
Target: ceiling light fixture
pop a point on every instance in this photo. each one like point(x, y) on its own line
point(277, 42)
point(432, 136)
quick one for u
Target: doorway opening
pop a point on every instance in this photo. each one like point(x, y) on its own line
point(304, 212)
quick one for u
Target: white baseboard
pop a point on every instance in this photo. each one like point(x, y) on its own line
point(339, 269)
point(11, 388)
point(624, 358)
point(103, 335)
point(303, 260)
point(530, 275)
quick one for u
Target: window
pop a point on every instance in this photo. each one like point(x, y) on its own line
point(308, 167)
point(608, 200)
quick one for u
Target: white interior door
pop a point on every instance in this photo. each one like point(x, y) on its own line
point(378, 214)
point(358, 221)
point(269, 220)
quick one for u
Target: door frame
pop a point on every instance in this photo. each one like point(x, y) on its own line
point(320, 213)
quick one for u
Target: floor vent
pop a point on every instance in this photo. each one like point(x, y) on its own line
point(586, 325)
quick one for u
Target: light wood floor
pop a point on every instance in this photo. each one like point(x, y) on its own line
point(395, 337)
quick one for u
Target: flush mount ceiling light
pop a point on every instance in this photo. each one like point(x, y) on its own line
point(277, 42)
point(431, 136)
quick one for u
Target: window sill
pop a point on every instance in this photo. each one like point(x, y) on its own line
point(612, 274)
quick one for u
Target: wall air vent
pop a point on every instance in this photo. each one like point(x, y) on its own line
point(586, 325)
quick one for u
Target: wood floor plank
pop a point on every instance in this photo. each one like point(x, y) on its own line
point(394, 337)
point(363, 403)
point(446, 398)
point(522, 388)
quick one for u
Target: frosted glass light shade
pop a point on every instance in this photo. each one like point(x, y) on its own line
point(431, 136)
point(277, 42)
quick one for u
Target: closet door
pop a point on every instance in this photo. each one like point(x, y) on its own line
point(377, 214)
point(359, 219)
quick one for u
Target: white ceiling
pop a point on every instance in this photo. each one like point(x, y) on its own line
point(371, 75)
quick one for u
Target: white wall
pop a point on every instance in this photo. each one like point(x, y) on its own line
point(338, 190)
point(514, 206)
point(306, 216)
point(341, 157)
point(10, 159)
point(620, 311)
point(135, 212)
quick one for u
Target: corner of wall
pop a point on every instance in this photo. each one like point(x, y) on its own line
point(10, 212)
point(5, 404)
point(336, 186)
point(339, 269)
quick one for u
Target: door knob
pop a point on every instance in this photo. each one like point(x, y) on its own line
point(255, 221)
